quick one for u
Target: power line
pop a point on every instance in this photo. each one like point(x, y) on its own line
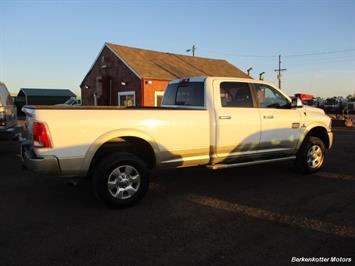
point(316, 64)
point(289, 55)
point(320, 59)
point(233, 54)
point(322, 53)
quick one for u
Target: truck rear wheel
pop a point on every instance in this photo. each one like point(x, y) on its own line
point(310, 157)
point(120, 179)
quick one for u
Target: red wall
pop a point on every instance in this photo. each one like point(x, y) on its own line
point(117, 72)
point(149, 89)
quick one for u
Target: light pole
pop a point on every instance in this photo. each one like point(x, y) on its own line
point(192, 50)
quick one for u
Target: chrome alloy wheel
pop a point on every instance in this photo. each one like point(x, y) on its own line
point(124, 182)
point(315, 157)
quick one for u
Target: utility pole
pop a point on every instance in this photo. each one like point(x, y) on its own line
point(279, 70)
point(192, 50)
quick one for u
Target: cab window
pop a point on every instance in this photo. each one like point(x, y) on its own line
point(270, 98)
point(235, 94)
point(185, 94)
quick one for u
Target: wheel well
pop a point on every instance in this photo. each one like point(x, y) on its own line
point(137, 146)
point(321, 133)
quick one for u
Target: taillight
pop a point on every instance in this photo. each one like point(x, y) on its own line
point(40, 136)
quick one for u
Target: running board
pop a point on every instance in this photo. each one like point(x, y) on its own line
point(223, 166)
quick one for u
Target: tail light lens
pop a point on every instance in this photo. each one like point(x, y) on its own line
point(40, 136)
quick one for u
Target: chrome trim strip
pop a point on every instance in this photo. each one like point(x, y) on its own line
point(223, 166)
point(249, 152)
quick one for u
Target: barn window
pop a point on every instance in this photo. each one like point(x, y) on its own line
point(127, 98)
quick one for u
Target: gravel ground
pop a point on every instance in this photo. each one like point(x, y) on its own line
point(258, 215)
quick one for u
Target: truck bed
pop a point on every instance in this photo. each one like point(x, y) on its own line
point(179, 136)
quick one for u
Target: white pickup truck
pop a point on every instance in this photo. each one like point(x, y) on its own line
point(212, 121)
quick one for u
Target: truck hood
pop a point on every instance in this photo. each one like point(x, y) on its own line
point(313, 109)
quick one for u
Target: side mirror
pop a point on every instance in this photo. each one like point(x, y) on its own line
point(296, 103)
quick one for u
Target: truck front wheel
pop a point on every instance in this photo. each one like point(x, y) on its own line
point(310, 157)
point(120, 179)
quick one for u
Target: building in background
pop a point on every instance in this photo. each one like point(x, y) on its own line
point(42, 97)
point(126, 76)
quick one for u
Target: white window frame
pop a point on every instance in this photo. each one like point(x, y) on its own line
point(126, 93)
point(156, 94)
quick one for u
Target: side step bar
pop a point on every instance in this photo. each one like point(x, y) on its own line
point(223, 166)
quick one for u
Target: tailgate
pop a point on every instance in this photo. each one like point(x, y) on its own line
point(30, 117)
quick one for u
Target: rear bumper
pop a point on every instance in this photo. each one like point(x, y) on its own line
point(43, 165)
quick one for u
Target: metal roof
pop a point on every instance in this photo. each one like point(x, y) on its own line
point(150, 64)
point(47, 92)
point(169, 66)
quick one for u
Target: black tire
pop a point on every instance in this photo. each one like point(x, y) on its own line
point(305, 162)
point(103, 173)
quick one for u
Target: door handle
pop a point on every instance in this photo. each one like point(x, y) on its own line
point(225, 117)
point(268, 116)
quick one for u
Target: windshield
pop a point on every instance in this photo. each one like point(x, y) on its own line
point(71, 101)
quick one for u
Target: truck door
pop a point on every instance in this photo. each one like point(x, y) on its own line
point(237, 121)
point(280, 125)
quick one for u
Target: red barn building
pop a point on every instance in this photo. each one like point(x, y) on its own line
point(128, 76)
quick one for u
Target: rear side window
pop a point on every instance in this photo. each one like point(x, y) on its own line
point(235, 94)
point(185, 94)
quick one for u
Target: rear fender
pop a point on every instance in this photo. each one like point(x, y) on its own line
point(117, 134)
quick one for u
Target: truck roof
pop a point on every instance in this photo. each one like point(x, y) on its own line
point(203, 78)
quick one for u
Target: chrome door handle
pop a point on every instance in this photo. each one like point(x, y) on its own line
point(225, 117)
point(268, 116)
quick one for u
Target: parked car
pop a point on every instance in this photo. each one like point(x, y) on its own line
point(8, 116)
point(212, 121)
point(307, 99)
point(351, 105)
point(70, 101)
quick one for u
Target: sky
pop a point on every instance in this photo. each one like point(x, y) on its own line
point(52, 44)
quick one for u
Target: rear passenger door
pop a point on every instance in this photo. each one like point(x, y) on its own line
point(237, 121)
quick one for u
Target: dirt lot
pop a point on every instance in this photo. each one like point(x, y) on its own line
point(261, 215)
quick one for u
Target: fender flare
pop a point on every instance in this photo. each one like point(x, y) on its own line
point(90, 153)
point(308, 129)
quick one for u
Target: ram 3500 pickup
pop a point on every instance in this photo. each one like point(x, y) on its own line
point(212, 121)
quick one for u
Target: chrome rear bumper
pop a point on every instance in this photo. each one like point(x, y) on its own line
point(43, 165)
